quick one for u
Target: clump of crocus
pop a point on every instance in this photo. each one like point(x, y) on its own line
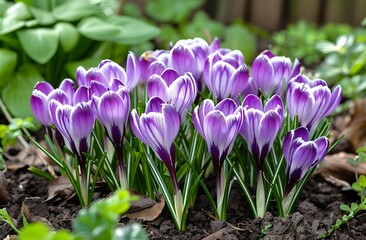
point(271, 73)
point(219, 125)
point(111, 75)
point(311, 100)
point(225, 74)
point(301, 155)
point(259, 129)
point(180, 91)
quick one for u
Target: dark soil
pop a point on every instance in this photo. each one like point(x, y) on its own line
point(317, 211)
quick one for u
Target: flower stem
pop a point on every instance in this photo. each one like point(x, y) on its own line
point(260, 196)
point(121, 168)
point(84, 188)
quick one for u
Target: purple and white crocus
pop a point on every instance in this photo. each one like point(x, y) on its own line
point(157, 128)
point(301, 154)
point(112, 110)
point(311, 100)
point(219, 126)
point(180, 91)
point(270, 72)
point(261, 125)
point(225, 74)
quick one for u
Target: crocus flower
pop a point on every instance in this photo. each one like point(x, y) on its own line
point(269, 72)
point(219, 125)
point(112, 110)
point(43, 92)
point(180, 91)
point(111, 75)
point(153, 62)
point(75, 123)
point(225, 73)
point(157, 128)
point(311, 101)
point(261, 125)
point(301, 154)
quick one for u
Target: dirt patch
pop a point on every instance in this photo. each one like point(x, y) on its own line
point(317, 211)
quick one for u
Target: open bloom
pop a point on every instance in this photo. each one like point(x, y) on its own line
point(157, 128)
point(180, 91)
point(111, 75)
point(153, 62)
point(75, 123)
point(311, 100)
point(301, 154)
point(225, 73)
point(261, 125)
point(269, 72)
point(43, 92)
point(112, 110)
point(219, 125)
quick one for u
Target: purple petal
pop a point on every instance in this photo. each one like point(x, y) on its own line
point(68, 86)
point(82, 94)
point(154, 105)
point(183, 59)
point(252, 101)
point(133, 71)
point(215, 45)
point(262, 74)
point(157, 87)
point(112, 70)
point(172, 124)
point(169, 75)
point(43, 87)
point(227, 106)
point(239, 81)
point(39, 107)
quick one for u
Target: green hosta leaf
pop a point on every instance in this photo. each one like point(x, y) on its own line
point(9, 24)
point(16, 95)
point(131, 232)
point(133, 31)
point(8, 61)
point(43, 17)
point(68, 35)
point(239, 37)
point(18, 11)
point(202, 25)
point(72, 11)
point(165, 11)
point(119, 29)
point(98, 29)
point(40, 44)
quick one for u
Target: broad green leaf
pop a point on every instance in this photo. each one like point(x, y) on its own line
point(62, 235)
point(133, 31)
point(43, 17)
point(362, 181)
point(326, 47)
point(165, 11)
point(8, 61)
point(9, 24)
point(131, 232)
point(18, 11)
point(72, 11)
point(40, 44)
point(239, 37)
point(98, 29)
point(68, 35)
point(16, 95)
point(202, 26)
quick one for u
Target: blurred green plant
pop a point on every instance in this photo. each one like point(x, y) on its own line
point(360, 187)
point(298, 40)
point(97, 222)
point(184, 19)
point(345, 63)
point(10, 133)
point(45, 39)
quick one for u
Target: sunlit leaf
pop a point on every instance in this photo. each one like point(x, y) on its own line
point(43, 17)
point(97, 29)
point(68, 35)
point(74, 10)
point(131, 232)
point(18, 11)
point(9, 24)
point(40, 44)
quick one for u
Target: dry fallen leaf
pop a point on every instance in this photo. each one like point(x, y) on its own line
point(60, 188)
point(3, 189)
point(336, 165)
point(145, 208)
point(355, 131)
point(219, 234)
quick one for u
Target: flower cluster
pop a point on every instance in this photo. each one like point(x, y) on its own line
point(275, 109)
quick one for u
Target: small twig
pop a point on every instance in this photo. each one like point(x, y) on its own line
point(9, 118)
